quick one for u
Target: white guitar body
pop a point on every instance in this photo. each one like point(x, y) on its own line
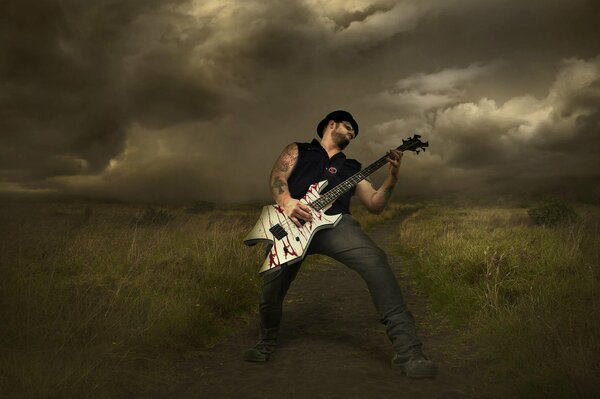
point(290, 242)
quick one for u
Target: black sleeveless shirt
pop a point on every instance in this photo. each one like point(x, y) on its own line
point(314, 165)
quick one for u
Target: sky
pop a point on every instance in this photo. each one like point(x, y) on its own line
point(174, 101)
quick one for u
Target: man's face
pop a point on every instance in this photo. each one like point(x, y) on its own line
point(342, 134)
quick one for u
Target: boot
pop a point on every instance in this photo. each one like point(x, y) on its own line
point(261, 351)
point(414, 364)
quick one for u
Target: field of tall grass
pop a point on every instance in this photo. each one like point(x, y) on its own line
point(525, 295)
point(97, 300)
point(101, 299)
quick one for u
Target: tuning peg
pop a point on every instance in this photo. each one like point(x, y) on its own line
point(417, 152)
point(417, 136)
point(423, 149)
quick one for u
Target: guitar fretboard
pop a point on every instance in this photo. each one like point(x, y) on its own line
point(347, 184)
point(411, 144)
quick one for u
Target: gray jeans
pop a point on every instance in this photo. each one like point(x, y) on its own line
point(348, 244)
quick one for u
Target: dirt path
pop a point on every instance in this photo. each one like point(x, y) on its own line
point(332, 346)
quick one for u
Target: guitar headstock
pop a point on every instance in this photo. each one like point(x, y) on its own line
point(413, 144)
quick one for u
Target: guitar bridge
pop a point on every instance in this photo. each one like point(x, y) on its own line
point(278, 231)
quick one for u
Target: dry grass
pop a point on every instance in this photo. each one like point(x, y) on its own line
point(98, 300)
point(526, 295)
point(94, 303)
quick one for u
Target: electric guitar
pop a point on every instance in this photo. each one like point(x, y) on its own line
point(290, 241)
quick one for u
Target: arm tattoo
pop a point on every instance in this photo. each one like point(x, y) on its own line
point(282, 169)
point(278, 184)
point(388, 192)
point(287, 159)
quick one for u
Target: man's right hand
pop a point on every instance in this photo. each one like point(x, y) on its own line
point(296, 210)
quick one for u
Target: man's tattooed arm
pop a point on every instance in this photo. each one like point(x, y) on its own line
point(388, 193)
point(376, 200)
point(277, 185)
point(281, 172)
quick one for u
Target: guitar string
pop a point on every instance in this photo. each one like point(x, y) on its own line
point(340, 189)
point(290, 224)
point(344, 186)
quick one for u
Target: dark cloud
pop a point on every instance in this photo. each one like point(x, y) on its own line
point(195, 99)
point(164, 95)
point(68, 93)
point(344, 18)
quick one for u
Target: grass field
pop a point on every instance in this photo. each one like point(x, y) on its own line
point(525, 295)
point(98, 300)
point(101, 299)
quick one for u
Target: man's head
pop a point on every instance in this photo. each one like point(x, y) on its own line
point(338, 117)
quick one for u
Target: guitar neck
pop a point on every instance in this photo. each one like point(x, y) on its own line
point(347, 184)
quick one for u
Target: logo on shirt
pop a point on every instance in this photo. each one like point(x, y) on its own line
point(332, 170)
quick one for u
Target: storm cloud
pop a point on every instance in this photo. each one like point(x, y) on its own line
point(193, 100)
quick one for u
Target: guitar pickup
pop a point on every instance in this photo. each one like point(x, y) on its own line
point(278, 231)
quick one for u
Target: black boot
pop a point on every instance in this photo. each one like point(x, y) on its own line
point(414, 364)
point(261, 351)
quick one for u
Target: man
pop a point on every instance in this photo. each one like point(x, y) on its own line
point(300, 165)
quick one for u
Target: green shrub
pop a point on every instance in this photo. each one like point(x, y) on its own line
point(553, 213)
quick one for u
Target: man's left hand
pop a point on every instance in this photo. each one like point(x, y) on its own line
point(394, 158)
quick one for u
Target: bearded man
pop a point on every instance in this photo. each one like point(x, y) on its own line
point(298, 167)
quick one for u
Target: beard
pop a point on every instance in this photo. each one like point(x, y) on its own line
point(340, 139)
